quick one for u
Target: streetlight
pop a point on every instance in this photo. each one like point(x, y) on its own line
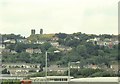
point(69, 66)
point(46, 55)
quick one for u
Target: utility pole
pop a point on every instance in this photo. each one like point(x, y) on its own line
point(46, 55)
point(46, 66)
point(69, 72)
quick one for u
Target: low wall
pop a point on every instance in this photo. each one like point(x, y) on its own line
point(75, 83)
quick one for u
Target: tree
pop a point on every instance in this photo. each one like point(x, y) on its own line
point(41, 68)
point(101, 52)
point(45, 46)
point(24, 57)
point(81, 49)
point(20, 47)
point(72, 43)
point(91, 48)
point(5, 71)
point(52, 49)
point(61, 35)
point(11, 46)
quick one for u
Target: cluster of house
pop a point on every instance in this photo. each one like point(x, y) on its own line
point(106, 42)
point(23, 69)
point(26, 69)
point(113, 67)
point(6, 42)
point(53, 42)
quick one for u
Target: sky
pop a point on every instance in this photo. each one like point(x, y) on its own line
point(54, 16)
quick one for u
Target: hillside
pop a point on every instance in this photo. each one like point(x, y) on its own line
point(94, 53)
point(38, 37)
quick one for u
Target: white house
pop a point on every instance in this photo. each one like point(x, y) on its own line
point(31, 50)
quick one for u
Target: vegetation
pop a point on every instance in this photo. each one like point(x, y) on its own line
point(5, 71)
point(44, 37)
point(82, 50)
point(88, 72)
point(15, 81)
point(12, 36)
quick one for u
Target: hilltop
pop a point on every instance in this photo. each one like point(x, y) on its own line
point(36, 37)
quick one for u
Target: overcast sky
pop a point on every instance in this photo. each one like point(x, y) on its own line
point(54, 16)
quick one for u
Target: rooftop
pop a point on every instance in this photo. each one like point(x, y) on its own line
point(96, 79)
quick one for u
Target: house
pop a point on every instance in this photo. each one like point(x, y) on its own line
point(22, 41)
point(114, 67)
point(13, 52)
point(75, 67)
point(55, 44)
point(76, 37)
point(103, 66)
point(92, 66)
point(57, 68)
point(55, 39)
point(93, 40)
point(40, 42)
point(64, 48)
point(106, 42)
point(116, 42)
point(21, 69)
point(10, 41)
point(37, 51)
point(6, 50)
point(21, 65)
point(31, 50)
